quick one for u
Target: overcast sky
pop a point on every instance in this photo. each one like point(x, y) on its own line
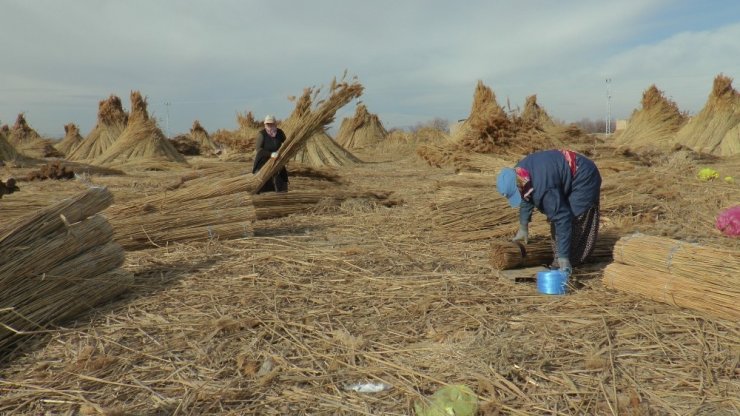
point(417, 59)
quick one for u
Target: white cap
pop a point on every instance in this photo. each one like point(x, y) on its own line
point(269, 119)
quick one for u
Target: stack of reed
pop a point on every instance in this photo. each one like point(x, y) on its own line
point(506, 254)
point(678, 273)
point(57, 264)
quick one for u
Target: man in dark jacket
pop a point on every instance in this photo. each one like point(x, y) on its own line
point(565, 186)
point(268, 145)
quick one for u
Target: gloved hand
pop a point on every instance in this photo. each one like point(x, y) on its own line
point(522, 234)
point(274, 155)
point(564, 264)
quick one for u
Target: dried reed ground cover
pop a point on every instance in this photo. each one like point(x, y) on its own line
point(279, 324)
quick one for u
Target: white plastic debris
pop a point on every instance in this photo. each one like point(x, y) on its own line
point(369, 387)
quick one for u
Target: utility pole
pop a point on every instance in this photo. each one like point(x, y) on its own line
point(167, 119)
point(608, 107)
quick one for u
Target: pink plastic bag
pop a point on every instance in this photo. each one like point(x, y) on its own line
point(728, 221)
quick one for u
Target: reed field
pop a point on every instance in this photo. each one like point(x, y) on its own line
point(158, 283)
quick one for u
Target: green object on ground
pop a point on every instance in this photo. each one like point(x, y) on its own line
point(729, 179)
point(454, 400)
point(707, 174)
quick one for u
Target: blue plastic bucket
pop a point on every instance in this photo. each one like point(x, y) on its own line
point(552, 282)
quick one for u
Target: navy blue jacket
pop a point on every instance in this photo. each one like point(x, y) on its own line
point(559, 195)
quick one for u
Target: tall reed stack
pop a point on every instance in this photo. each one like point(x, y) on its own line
point(363, 130)
point(654, 126)
point(72, 139)
point(112, 121)
point(716, 129)
point(27, 141)
point(688, 275)
point(57, 264)
point(141, 141)
point(320, 149)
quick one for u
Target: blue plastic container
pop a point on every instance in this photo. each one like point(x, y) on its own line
point(552, 282)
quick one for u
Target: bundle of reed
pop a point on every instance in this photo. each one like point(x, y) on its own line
point(276, 205)
point(185, 145)
point(477, 162)
point(7, 151)
point(507, 254)
point(536, 115)
point(51, 170)
point(141, 140)
point(436, 155)
point(362, 130)
point(234, 144)
point(320, 149)
point(56, 264)
point(715, 129)
point(676, 272)
point(654, 125)
point(201, 136)
point(111, 122)
point(303, 128)
point(71, 140)
point(482, 210)
point(224, 217)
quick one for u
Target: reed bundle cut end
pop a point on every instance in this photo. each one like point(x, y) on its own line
point(111, 122)
point(141, 141)
point(363, 130)
point(654, 125)
point(71, 140)
point(506, 255)
point(687, 275)
point(67, 266)
point(51, 170)
point(715, 129)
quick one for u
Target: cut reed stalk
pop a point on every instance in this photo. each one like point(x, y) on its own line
point(505, 255)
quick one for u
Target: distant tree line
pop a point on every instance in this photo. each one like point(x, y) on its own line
point(594, 126)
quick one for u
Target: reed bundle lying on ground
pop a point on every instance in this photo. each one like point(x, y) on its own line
point(57, 264)
point(505, 254)
point(111, 122)
point(679, 273)
point(224, 217)
point(51, 170)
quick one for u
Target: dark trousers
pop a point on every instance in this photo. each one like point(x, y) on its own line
point(582, 238)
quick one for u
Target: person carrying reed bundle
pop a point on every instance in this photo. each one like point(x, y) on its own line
point(268, 145)
point(565, 186)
